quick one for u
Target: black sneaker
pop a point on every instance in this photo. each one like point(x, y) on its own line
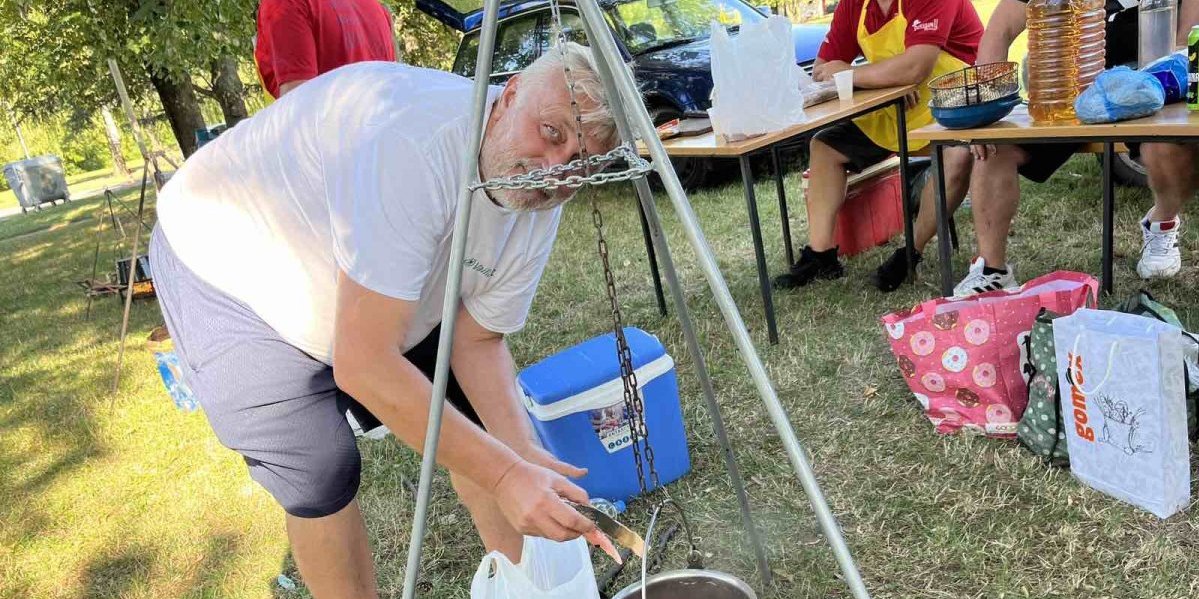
point(812, 265)
point(892, 273)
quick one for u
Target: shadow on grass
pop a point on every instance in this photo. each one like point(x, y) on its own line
point(133, 568)
point(115, 575)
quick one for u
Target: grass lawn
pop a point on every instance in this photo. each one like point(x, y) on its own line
point(123, 496)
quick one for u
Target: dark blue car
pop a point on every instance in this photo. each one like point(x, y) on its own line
point(664, 41)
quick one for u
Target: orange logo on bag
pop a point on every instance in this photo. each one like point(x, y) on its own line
point(1077, 399)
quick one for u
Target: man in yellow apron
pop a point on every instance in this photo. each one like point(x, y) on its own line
point(906, 42)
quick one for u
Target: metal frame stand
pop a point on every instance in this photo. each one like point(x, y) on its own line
point(622, 92)
point(150, 161)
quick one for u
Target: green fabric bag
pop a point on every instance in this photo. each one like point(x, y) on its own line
point(1040, 428)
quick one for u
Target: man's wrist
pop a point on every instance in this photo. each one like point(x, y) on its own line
point(511, 463)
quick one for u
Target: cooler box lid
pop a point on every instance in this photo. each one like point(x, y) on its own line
point(586, 366)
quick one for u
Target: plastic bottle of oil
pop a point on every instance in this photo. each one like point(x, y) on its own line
point(1065, 53)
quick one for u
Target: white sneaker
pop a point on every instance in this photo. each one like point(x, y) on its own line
point(1160, 256)
point(977, 282)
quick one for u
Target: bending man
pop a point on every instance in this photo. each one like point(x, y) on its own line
point(301, 265)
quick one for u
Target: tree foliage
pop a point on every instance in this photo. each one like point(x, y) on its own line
point(56, 51)
point(423, 40)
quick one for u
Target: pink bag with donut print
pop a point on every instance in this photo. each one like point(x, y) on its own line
point(962, 358)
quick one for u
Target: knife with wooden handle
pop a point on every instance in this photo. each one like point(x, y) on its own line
point(621, 534)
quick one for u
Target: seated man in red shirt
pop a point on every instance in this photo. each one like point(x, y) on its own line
point(300, 39)
point(906, 42)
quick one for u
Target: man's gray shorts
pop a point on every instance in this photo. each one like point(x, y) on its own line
point(272, 403)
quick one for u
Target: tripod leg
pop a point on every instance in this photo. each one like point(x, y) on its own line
point(724, 299)
point(449, 311)
point(653, 224)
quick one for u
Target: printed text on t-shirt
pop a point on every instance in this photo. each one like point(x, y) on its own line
point(476, 266)
point(926, 26)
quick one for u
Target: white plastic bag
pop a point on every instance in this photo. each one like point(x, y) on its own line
point(1123, 395)
point(547, 570)
point(756, 83)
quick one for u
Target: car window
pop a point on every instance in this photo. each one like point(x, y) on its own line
point(468, 55)
point(648, 24)
point(572, 26)
point(518, 43)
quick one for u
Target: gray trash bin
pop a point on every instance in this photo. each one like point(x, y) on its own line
point(36, 181)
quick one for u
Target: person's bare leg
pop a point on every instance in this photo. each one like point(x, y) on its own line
point(826, 193)
point(958, 166)
point(493, 527)
point(1171, 169)
point(995, 196)
point(333, 554)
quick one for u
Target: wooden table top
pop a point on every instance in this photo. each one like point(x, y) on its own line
point(1173, 120)
point(710, 145)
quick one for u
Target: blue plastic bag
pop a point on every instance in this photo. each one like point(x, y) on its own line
point(1171, 72)
point(1120, 94)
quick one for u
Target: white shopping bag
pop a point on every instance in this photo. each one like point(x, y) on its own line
point(1123, 394)
point(547, 570)
point(756, 82)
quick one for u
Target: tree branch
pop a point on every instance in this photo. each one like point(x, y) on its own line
point(203, 91)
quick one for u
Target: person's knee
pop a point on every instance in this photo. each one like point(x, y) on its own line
point(958, 164)
point(327, 485)
point(1002, 164)
point(822, 154)
point(1166, 158)
point(957, 156)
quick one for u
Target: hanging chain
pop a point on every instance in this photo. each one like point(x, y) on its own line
point(634, 408)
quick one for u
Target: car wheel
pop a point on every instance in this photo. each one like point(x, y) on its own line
point(1127, 170)
point(692, 172)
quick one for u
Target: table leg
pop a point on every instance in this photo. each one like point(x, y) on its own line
point(905, 194)
point(782, 193)
point(943, 241)
point(755, 229)
point(1109, 215)
point(653, 260)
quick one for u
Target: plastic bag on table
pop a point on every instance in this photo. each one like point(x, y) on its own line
point(756, 83)
point(547, 570)
point(1120, 94)
point(1171, 71)
point(818, 93)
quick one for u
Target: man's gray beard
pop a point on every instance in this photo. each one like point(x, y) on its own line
point(519, 200)
point(530, 202)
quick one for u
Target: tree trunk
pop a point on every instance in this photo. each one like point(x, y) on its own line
point(229, 91)
point(183, 111)
point(16, 125)
point(114, 143)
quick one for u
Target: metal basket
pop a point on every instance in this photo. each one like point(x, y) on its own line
point(975, 85)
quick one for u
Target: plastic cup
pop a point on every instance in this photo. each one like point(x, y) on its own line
point(844, 81)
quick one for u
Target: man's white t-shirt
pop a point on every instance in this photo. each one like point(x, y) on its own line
point(358, 169)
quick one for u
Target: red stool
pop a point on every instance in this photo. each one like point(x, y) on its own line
point(873, 210)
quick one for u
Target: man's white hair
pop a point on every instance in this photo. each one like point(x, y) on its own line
point(595, 114)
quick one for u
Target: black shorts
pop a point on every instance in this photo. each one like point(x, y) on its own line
point(265, 399)
point(853, 143)
point(1045, 159)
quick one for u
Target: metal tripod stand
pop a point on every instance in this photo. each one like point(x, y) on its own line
point(622, 92)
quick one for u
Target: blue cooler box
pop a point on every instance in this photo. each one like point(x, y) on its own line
point(576, 401)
